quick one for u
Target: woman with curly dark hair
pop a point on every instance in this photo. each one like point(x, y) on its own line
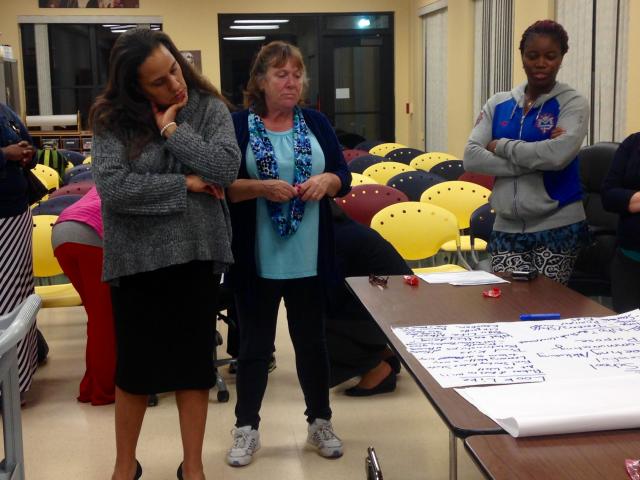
point(529, 139)
point(163, 151)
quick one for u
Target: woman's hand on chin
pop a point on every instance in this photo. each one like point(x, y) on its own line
point(165, 116)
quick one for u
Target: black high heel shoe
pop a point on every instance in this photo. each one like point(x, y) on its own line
point(179, 472)
point(388, 384)
point(138, 471)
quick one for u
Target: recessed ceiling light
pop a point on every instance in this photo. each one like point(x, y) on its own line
point(260, 37)
point(254, 27)
point(261, 21)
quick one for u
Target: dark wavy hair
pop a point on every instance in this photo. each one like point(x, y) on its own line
point(122, 108)
point(275, 54)
point(549, 28)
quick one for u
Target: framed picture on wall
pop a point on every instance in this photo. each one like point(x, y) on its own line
point(89, 3)
point(194, 58)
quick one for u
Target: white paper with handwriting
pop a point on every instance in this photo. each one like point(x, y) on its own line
point(464, 355)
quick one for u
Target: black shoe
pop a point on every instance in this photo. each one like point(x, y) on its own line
point(138, 471)
point(385, 386)
point(394, 363)
point(152, 400)
point(179, 472)
point(42, 348)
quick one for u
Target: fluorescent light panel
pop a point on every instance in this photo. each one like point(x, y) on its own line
point(261, 21)
point(260, 37)
point(254, 27)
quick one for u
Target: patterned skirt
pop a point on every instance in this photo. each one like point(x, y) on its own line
point(16, 284)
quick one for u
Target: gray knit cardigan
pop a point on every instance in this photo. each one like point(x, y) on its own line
point(150, 220)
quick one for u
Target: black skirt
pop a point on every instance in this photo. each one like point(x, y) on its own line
point(165, 329)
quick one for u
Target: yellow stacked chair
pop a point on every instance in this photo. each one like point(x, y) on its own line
point(359, 179)
point(45, 265)
point(48, 176)
point(426, 161)
point(382, 172)
point(462, 199)
point(385, 148)
point(417, 231)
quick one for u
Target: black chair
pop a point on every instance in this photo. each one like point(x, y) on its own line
point(412, 184)
point(76, 158)
point(449, 169)
point(55, 205)
point(73, 172)
point(403, 155)
point(480, 226)
point(225, 304)
point(591, 274)
point(368, 144)
point(360, 164)
point(348, 139)
point(81, 177)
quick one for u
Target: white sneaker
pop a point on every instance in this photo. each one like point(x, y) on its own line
point(322, 437)
point(246, 441)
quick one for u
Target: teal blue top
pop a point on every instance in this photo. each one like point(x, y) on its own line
point(280, 258)
point(632, 254)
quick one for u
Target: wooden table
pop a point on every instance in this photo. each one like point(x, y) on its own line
point(580, 456)
point(400, 305)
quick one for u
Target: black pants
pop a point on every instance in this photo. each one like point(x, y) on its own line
point(625, 291)
point(257, 318)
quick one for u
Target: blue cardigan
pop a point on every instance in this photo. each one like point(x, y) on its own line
point(243, 214)
point(13, 185)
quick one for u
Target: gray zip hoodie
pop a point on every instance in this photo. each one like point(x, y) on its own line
point(537, 183)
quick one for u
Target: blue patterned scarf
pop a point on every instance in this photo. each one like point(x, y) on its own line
point(285, 224)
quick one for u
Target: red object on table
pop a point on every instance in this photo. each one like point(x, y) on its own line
point(492, 293)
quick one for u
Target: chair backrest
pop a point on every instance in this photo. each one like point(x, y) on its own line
point(364, 201)
point(368, 145)
point(449, 169)
point(77, 188)
point(359, 179)
point(362, 162)
point(461, 198)
point(403, 155)
point(78, 169)
point(486, 181)
point(426, 161)
point(55, 205)
point(414, 183)
point(352, 153)
point(481, 223)
point(416, 230)
point(44, 261)
point(383, 171)
point(384, 148)
point(81, 177)
point(47, 175)
point(595, 162)
point(349, 139)
point(75, 158)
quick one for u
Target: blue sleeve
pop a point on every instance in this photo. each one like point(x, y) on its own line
point(335, 162)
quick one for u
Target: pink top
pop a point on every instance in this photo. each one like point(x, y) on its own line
point(86, 210)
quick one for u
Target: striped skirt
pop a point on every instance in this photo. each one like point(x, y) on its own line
point(16, 284)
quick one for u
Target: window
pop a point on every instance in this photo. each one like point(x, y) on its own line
point(77, 57)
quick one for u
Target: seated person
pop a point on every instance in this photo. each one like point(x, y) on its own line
point(621, 194)
point(356, 345)
point(77, 244)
